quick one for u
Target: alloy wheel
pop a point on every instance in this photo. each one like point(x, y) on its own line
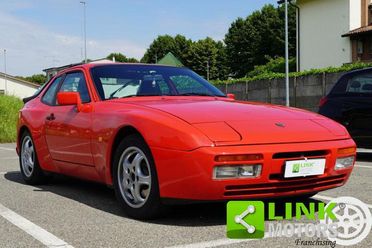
point(134, 177)
point(28, 156)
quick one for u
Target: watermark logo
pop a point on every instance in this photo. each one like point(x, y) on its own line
point(343, 221)
point(296, 168)
point(245, 220)
point(353, 219)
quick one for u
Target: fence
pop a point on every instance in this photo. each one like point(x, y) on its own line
point(305, 91)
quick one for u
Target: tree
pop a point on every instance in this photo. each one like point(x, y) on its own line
point(163, 44)
point(223, 69)
point(240, 41)
point(208, 56)
point(119, 57)
point(259, 37)
point(36, 78)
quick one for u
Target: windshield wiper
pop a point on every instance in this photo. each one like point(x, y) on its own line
point(194, 94)
point(119, 89)
point(128, 96)
point(139, 95)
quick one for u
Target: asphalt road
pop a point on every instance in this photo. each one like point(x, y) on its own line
point(72, 213)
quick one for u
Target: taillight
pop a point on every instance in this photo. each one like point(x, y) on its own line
point(323, 101)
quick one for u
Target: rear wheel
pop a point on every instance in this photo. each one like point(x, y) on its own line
point(135, 179)
point(30, 169)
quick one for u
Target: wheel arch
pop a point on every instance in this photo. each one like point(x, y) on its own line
point(22, 129)
point(121, 134)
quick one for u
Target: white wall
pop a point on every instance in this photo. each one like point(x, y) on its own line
point(355, 14)
point(17, 88)
point(322, 23)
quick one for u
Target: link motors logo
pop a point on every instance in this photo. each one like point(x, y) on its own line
point(343, 221)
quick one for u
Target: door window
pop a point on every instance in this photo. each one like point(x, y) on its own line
point(75, 82)
point(50, 95)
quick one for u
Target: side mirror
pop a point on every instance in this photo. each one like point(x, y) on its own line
point(231, 96)
point(71, 98)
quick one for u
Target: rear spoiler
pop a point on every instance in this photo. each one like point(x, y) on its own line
point(27, 99)
point(39, 90)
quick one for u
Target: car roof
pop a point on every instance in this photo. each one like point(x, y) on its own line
point(358, 71)
point(92, 65)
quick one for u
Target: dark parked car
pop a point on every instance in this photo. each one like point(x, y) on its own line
point(350, 103)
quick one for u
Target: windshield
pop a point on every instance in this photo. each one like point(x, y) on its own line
point(120, 81)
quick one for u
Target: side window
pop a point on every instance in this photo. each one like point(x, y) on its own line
point(75, 82)
point(50, 95)
point(360, 84)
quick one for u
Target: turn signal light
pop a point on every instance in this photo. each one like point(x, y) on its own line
point(348, 150)
point(244, 157)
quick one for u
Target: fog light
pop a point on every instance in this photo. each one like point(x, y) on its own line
point(237, 171)
point(345, 162)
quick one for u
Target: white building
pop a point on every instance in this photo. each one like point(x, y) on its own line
point(334, 32)
point(10, 85)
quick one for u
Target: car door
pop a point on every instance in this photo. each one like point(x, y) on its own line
point(67, 131)
point(357, 108)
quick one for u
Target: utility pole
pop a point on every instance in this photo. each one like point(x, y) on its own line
point(6, 83)
point(286, 2)
point(85, 30)
point(207, 70)
point(286, 55)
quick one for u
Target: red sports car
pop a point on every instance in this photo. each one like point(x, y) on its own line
point(159, 133)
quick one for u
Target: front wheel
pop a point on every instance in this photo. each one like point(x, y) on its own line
point(135, 179)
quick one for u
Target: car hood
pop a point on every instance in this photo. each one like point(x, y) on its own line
point(250, 123)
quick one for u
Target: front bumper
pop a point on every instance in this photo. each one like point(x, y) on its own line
point(188, 175)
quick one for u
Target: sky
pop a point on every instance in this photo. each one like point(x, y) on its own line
point(39, 34)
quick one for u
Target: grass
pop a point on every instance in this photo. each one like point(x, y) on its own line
point(9, 107)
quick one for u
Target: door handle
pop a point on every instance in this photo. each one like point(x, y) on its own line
point(51, 117)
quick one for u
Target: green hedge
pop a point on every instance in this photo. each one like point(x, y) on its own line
point(9, 107)
point(275, 75)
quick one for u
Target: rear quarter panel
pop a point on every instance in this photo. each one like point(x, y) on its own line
point(32, 117)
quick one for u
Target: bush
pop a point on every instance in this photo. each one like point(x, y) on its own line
point(36, 78)
point(9, 107)
point(276, 65)
point(275, 75)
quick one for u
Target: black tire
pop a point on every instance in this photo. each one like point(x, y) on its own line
point(309, 195)
point(151, 207)
point(35, 175)
point(303, 197)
